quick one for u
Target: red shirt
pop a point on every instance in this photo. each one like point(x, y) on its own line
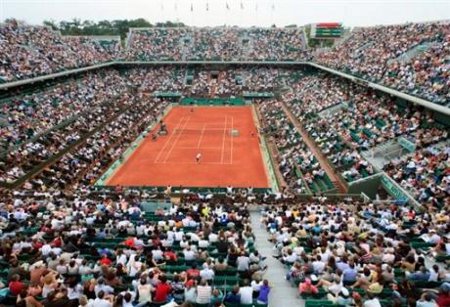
point(105, 261)
point(443, 300)
point(161, 292)
point(192, 273)
point(15, 287)
point(170, 256)
point(57, 242)
point(129, 242)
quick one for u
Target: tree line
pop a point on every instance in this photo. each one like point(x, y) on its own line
point(104, 27)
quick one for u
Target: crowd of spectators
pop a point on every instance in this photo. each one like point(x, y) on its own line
point(300, 169)
point(83, 166)
point(48, 122)
point(274, 44)
point(31, 51)
point(350, 253)
point(365, 119)
point(424, 173)
point(314, 93)
point(43, 124)
point(26, 116)
point(411, 57)
point(219, 43)
point(347, 160)
point(103, 249)
point(39, 126)
point(288, 143)
point(232, 82)
point(52, 122)
point(63, 243)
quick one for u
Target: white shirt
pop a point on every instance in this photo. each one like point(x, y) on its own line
point(189, 255)
point(318, 267)
point(207, 274)
point(203, 244)
point(101, 303)
point(179, 235)
point(105, 288)
point(75, 293)
point(157, 254)
point(246, 295)
point(433, 275)
point(46, 249)
point(213, 237)
point(256, 285)
point(372, 303)
point(122, 259)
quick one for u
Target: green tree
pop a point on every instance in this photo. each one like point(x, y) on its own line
point(104, 27)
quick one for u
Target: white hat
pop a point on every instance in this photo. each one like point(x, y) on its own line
point(345, 292)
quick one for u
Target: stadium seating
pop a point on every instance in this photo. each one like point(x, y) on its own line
point(220, 43)
point(300, 169)
point(66, 239)
point(31, 51)
point(312, 241)
point(409, 57)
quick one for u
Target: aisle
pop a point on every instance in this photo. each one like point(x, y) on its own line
point(282, 293)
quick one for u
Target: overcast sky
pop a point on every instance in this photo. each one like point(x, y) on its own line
point(239, 12)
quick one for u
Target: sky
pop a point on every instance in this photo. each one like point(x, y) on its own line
point(231, 12)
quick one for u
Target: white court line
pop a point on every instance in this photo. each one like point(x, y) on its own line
point(209, 129)
point(232, 140)
point(201, 136)
point(193, 147)
point(185, 162)
point(168, 140)
point(176, 140)
point(223, 139)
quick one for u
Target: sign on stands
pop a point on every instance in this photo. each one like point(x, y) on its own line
point(250, 95)
point(408, 145)
point(167, 94)
point(393, 189)
point(152, 206)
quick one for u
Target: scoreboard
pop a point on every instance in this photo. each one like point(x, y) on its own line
point(327, 30)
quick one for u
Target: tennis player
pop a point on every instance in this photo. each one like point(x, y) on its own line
point(198, 157)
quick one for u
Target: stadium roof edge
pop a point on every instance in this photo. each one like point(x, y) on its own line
point(5, 86)
point(98, 37)
point(393, 92)
point(216, 27)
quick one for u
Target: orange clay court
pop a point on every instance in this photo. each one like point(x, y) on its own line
point(225, 159)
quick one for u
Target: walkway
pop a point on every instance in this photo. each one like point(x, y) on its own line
point(282, 293)
point(324, 163)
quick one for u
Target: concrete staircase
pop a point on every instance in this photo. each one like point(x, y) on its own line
point(384, 153)
point(282, 294)
point(185, 47)
point(248, 47)
point(331, 110)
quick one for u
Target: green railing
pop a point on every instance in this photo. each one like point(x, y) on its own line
point(212, 101)
point(183, 189)
point(268, 161)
